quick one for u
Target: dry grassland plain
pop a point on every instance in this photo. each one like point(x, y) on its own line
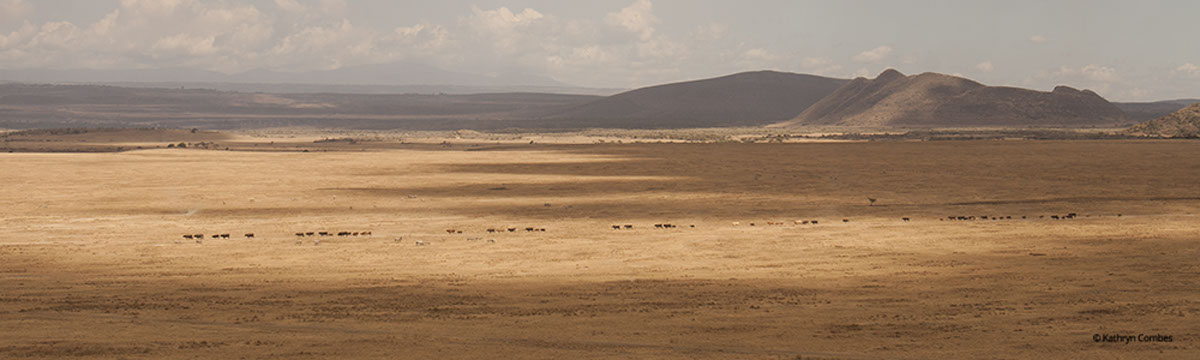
point(93, 265)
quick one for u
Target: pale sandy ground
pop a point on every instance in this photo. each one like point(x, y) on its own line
point(90, 266)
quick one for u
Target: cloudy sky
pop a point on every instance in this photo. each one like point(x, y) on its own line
point(1128, 50)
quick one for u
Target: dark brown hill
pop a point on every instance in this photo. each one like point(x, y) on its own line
point(937, 100)
point(744, 99)
point(1183, 123)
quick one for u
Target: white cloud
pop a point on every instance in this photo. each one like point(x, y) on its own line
point(637, 18)
point(759, 54)
point(873, 55)
point(1099, 73)
point(290, 5)
point(985, 66)
point(15, 9)
point(820, 66)
point(1038, 39)
point(1188, 70)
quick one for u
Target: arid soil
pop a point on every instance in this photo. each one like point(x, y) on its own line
point(93, 264)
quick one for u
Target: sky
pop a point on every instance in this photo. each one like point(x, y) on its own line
point(1123, 50)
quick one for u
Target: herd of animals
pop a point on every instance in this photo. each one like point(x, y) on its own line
point(317, 235)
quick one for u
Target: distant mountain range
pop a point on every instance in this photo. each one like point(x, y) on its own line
point(937, 100)
point(1145, 111)
point(749, 99)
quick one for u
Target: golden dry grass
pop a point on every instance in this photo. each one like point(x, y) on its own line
point(91, 267)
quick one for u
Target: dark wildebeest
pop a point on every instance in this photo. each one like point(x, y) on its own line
point(512, 229)
point(845, 220)
point(354, 233)
point(198, 236)
point(300, 234)
point(905, 219)
point(491, 230)
point(323, 233)
point(814, 222)
point(659, 226)
point(310, 233)
point(250, 235)
point(187, 236)
point(627, 227)
point(214, 236)
point(616, 227)
point(542, 229)
point(1055, 217)
point(224, 236)
point(530, 229)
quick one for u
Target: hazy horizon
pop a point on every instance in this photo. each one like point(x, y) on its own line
point(1123, 51)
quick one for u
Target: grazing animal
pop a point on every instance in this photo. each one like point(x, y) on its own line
point(491, 241)
point(627, 227)
point(316, 242)
point(449, 231)
point(616, 227)
point(845, 220)
point(692, 225)
point(905, 219)
point(198, 236)
point(300, 234)
point(814, 222)
point(542, 229)
point(366, 233)
point(512, 229)
point(310, 233)
point(1055, 217)
point(529, 229)
point(354, 233)
point(323, 233)
point(214, 236)
point(751, 224)
point(200, 240)
point(398, 240)
point(658, 226)
point(420, 243)
point(187, 237)
point(735, 223)
point(491, 230)
point(250, 235)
